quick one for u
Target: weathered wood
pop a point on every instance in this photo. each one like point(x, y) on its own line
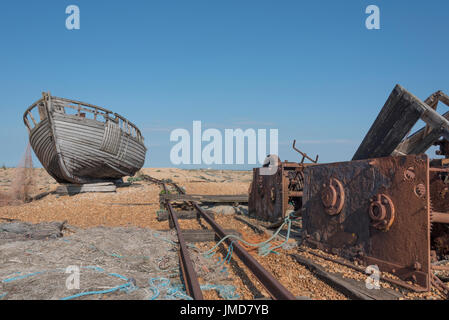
point(420, 141)
point(76, 149)
point(399, 114)
point(21, 231)
point(204, 198)
point(205, 235)
point(163, 215)
point(70, 189)
point(42, 195)
point(351, 288)
point(394, 121)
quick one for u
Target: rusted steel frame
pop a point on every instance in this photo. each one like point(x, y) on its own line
point(360, 269)
point(437, 283)
point(276, 290)
point(398, 189)
point(188, 272)
point(439, 169)
point(440, 268)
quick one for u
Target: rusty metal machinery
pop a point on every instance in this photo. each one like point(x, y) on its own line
point(388, 207)
point(379, 212)
point(271, 196)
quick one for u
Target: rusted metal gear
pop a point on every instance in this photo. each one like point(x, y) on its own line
point(381, 212)
point(409, 174)
point(296, 180)
point(333, 196)
point(420, 190)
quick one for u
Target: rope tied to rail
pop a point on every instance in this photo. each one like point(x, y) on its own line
point(177, 291)
point(264, 247)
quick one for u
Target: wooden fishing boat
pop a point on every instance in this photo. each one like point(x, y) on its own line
point(80, 143)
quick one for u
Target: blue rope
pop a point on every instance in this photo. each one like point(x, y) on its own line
point(172, 291)
point(21, 277)
point(264, 247)
point(127, 287)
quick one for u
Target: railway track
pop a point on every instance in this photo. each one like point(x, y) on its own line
point(276, 290)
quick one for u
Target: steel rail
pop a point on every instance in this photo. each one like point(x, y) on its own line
point(276, 290)
point(362, 270)
point(189, 274)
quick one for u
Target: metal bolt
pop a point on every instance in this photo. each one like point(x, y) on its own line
point(417, 266)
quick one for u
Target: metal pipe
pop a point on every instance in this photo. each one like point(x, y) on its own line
point(440, 217)
point(274, 287)
point(438, 169)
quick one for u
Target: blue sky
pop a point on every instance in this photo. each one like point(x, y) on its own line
point(308, 68)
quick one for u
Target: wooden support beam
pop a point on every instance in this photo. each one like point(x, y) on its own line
point(420, 141)
point(398, 116)
point(205, 235)
point(243, 198)
point(394, 121)
point(351, 288)
point(71, 189)
point(163, 215)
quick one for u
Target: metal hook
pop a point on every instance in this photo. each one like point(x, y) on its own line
point(304, 155)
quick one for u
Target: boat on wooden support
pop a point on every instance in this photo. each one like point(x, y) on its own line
point(80, 143)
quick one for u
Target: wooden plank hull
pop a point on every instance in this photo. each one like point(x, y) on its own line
point(79, 150)
point(42, 142)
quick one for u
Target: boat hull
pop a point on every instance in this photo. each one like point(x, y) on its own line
point(78, 150)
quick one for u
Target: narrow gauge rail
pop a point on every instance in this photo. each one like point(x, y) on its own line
point(276, 290)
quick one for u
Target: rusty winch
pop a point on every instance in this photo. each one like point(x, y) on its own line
point(387, 207)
